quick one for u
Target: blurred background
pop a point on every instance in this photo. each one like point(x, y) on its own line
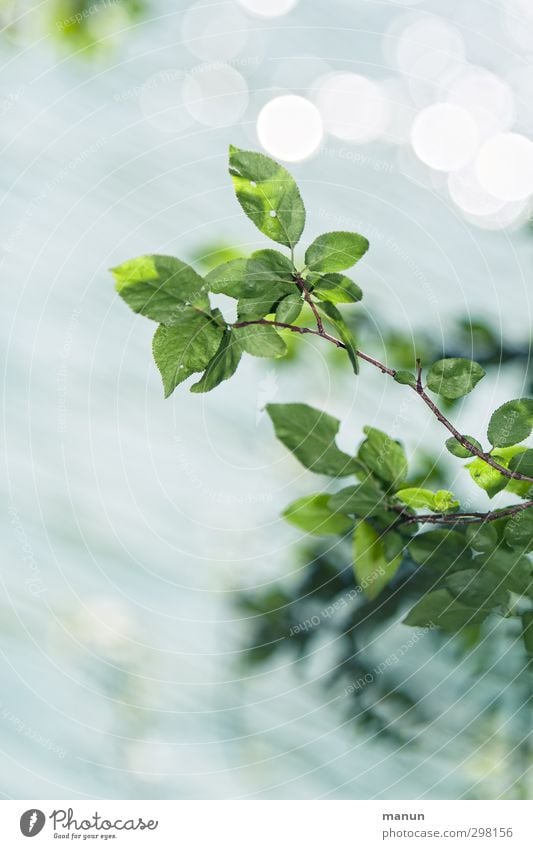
point(150, 590)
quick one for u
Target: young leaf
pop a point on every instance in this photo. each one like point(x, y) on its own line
point(383, 456)
point(185, 346)
point(310, 435)
point(260, 340)
point(416, 497)
point(458, 450)
point(489, 479)
point(222, 366)
point(268, 195)
point(406, 378)
point(362, 500)
point(337, 289)
point(454, 377)
point(511, 423)
point(313, 514)
point(289, 308)
point(372, 569)
point(335, 251)
point(441, 610)
point(158, 287)
point(331, 312)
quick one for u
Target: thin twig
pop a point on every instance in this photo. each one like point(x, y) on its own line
point(418, 387)
point(454, 518)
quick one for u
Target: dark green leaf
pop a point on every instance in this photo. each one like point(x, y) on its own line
point(222, 366)
point(477, 588)
point(440, 609)
point(185, 346)
point(458, 450)
point(289, 308)
point(337, 289)
point(519, 530)
point(454, 377)
point(260, 340)
point(383, 456)
point(310, 435)
point(361, 500)
point(335, 251)
point(313, 514)
point(482, 536)
point(268, 195)
point(523, 462)
point(511, 423)
point(513, 569)
point(372, 569)
point(441, 548)
point(268, 279)
point(159, 287)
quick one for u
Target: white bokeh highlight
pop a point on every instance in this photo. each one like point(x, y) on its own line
point(268, 8)
point(445, 136)
point(353, 107)
point(487, 98)
point(215, 95)
point(214, 32)
point(504, 166)
point(290, 128)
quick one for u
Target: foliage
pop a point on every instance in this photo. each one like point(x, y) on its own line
point(476, 566)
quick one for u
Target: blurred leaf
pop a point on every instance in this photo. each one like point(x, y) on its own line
point(313, 514)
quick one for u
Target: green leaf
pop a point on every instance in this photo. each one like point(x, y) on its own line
point(260, 340)
point(333, 314)
point(268, 195)
point(512, 569)
point(482, 536)
point(222, 366)
point(458, 450)
point(361, 500)
point(406, 378)
point(372, 569)
point(477, 588)
point(454, 377)
point(289, 308)
point(383, 456)
point(522, 462)
point(158, 287)
point(441, 610)
point(185, 346)
point(518, 531)
point(443, 548)
point(416, 497)
point(511, 423)
point(310, 435)
point(489, 479)
point(268, 279)
point(228, 279)
point(335, 251)
point(337, 289)
point(313, 514)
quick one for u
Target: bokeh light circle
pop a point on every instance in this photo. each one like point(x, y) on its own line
point(290, 128)
point(444, 136)
point(214, 32)
point(353, 107)
point(504, 166)
point(268, 8)
point(215, 94)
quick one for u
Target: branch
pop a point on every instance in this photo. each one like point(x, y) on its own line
point(418, 387)
point(453, 518)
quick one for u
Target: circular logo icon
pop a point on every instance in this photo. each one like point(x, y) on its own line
point(32, 822)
